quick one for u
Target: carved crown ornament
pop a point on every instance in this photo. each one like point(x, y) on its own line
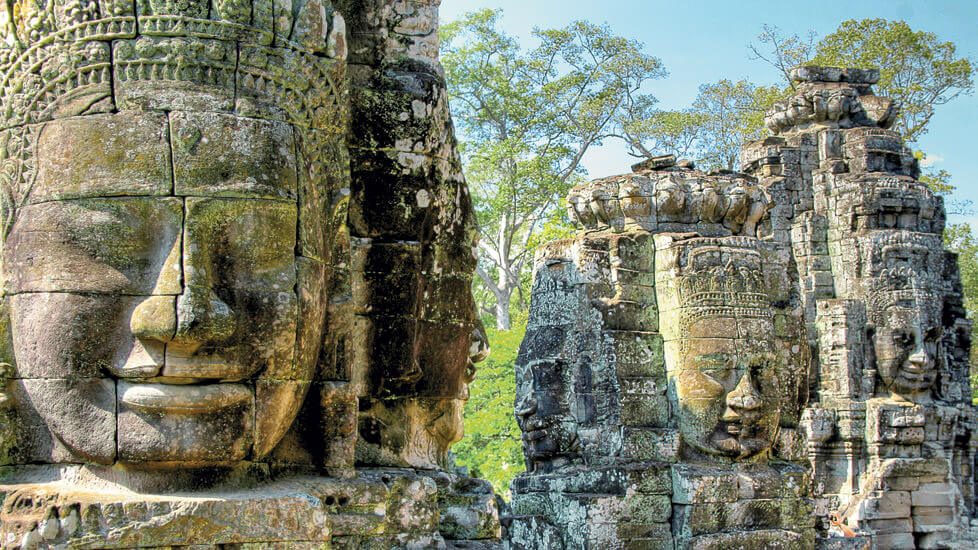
point(55, 58)
point(729, 203)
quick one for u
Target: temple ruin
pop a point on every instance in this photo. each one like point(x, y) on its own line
point(237, 258)
point(770, 359)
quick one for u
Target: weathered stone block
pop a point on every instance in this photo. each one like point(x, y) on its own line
point(691, 484)
point(928, 519)
point(256, 238)
point(894, 541)
point(120, 245)
point(651, 444)
point(386, 279)
point(221, 155)
point(642, 410)
point(773, 539)
point(126, 153)
point(885, 505)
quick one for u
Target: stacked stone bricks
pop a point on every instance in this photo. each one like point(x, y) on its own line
point(775, 358)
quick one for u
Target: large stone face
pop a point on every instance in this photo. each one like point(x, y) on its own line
point(209, 284)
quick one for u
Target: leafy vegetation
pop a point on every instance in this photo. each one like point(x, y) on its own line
point(491, 447)
point(526, 117)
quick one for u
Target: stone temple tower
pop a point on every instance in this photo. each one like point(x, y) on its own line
point(774, 358)
point(890, 430)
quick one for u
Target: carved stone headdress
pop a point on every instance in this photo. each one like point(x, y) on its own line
point(903, 268)
point(63, 57)
point(714, 277)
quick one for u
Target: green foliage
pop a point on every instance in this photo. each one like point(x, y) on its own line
point(916, 68)
point(724, 116)
point(732, 114)
point(784, 53)
point(959, 239)
point(526, 117)
point(491, 446)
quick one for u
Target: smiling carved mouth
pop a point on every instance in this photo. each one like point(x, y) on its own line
point(183, 399)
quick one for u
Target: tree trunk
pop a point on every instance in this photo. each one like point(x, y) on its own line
point(502, 312)
point(504, 291)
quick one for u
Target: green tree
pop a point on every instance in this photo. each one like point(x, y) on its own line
point(491, 448)
point(526, 118)
point(961, 240)
point(732, 113)
point(916, 68)
point(784, 53)
point(653, 132)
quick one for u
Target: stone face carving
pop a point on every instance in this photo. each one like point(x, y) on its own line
point(786, 364)
point(890, 429)
point(150, 253)
point(218, 281)
point(664, 365)
point(734, 375)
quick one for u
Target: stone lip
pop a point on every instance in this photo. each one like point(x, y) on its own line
point(184, 399)
point(815, 73)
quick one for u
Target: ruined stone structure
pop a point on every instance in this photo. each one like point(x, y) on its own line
point(768, 359)
point(237, 254)
point(890, 432)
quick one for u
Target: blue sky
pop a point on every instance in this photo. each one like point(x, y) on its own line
point(703, 42)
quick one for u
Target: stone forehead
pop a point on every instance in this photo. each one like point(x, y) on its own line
point(925, 304)
point(872, 192)
point(705, 254)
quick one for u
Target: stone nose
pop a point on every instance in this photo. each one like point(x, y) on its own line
point(202, 318)
point(155, 318)
point(525, 408)
point(194, 318)
point(919, 357)
point(742, 400)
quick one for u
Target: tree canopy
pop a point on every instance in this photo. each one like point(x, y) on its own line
point(526, 118)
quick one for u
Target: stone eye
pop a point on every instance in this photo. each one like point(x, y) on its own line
point(903, 338)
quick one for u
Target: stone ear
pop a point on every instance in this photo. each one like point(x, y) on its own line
point(869, 353)
point(6, 339)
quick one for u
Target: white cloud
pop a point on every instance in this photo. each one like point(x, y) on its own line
point(931, 160)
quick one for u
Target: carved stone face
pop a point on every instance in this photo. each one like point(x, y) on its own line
point(906, 346)
point(156, 288)
point(727, 387)
point(734, 348)
point(543, 413)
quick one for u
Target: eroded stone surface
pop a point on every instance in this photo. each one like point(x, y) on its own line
point(198, 294)
point(783, 351)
